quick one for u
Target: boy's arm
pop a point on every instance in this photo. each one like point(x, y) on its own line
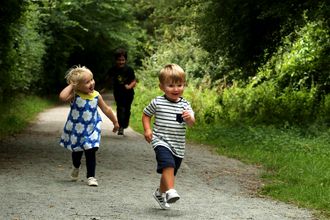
point(107, 83)
point(146, 120)
point(131, 85)
point(190, 120)
point(67, 93)
point(108, 112)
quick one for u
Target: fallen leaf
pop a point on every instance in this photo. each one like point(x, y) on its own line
point(51, 206)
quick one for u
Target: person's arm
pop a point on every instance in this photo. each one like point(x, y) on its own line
point(131, 85)
point(190, 120)
point(146, 120)
point(67, 93)
point(108, 112)
point(107, 83)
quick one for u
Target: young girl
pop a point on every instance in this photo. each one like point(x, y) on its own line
point(82, 131)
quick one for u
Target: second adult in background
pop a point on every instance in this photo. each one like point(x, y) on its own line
point(124, 81)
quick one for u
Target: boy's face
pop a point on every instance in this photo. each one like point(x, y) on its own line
point(86, 84)
point(121, 62)
point(173, 90)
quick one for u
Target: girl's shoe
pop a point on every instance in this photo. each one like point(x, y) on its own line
point(92, 181)
point(74, 174)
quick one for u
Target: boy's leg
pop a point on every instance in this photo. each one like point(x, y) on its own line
point(167, 180)
point(167, 165)
point(167, 185)
point(123, 110)
point(127, 107)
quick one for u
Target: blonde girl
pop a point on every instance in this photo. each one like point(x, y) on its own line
point(82, 130)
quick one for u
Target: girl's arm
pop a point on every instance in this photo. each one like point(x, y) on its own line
point(146, 120)
point(131, 85)
point(67, 93)
point(108, 112)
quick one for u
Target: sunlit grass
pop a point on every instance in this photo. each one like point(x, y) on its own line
point(295, 160)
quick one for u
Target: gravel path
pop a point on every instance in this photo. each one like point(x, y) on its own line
point(35, 180)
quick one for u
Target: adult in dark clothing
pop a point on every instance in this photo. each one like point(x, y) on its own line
point(124, 81)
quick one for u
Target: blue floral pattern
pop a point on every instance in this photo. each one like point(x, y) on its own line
point(82, 129)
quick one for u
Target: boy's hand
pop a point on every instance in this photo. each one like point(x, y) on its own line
point(103, 91)
point(186, 114)
point(190, 120)
point(116, 127)
point(148, 135)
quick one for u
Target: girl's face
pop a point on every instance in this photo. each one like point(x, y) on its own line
point(173, 91)
point(121, 62)
point(86, 84)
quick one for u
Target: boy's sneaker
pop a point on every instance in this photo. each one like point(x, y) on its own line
point(121, 131)
point(92, 181)
point(161, 199)
point(74, 174)
point(172, 196)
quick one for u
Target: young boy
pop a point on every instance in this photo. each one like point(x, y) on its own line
point(124, 82)
point(172, 114)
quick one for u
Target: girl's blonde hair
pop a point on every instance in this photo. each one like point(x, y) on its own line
point(172, 72)
point(75, 74)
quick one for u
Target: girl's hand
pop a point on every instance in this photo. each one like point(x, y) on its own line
point(148, 135)
point(116, 127)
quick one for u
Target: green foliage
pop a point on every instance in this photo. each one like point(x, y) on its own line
point(85, 33)
point(247, 33)
point(21, 111)
point(158, 15)
point(24, 57)
point(304, 63)
point(192, 59)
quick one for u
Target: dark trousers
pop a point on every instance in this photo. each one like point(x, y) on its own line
point(123, 109)
point(90, 160)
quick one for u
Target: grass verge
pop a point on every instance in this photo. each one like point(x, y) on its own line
point(20, 111)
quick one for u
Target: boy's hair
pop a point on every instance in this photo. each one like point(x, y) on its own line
point(172, 72)
point(121, 52)
point(75, 74)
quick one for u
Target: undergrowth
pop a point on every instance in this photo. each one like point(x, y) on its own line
point(21, 110)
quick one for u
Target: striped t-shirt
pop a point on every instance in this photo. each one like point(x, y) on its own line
point(169, 129)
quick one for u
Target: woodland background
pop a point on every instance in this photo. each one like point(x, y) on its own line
point(257, 73)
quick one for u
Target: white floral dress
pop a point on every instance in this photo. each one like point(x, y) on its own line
point(82, 131)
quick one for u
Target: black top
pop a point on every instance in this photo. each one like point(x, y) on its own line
point(121, 77)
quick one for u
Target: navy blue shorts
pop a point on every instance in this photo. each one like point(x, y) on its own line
point(166, 159)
